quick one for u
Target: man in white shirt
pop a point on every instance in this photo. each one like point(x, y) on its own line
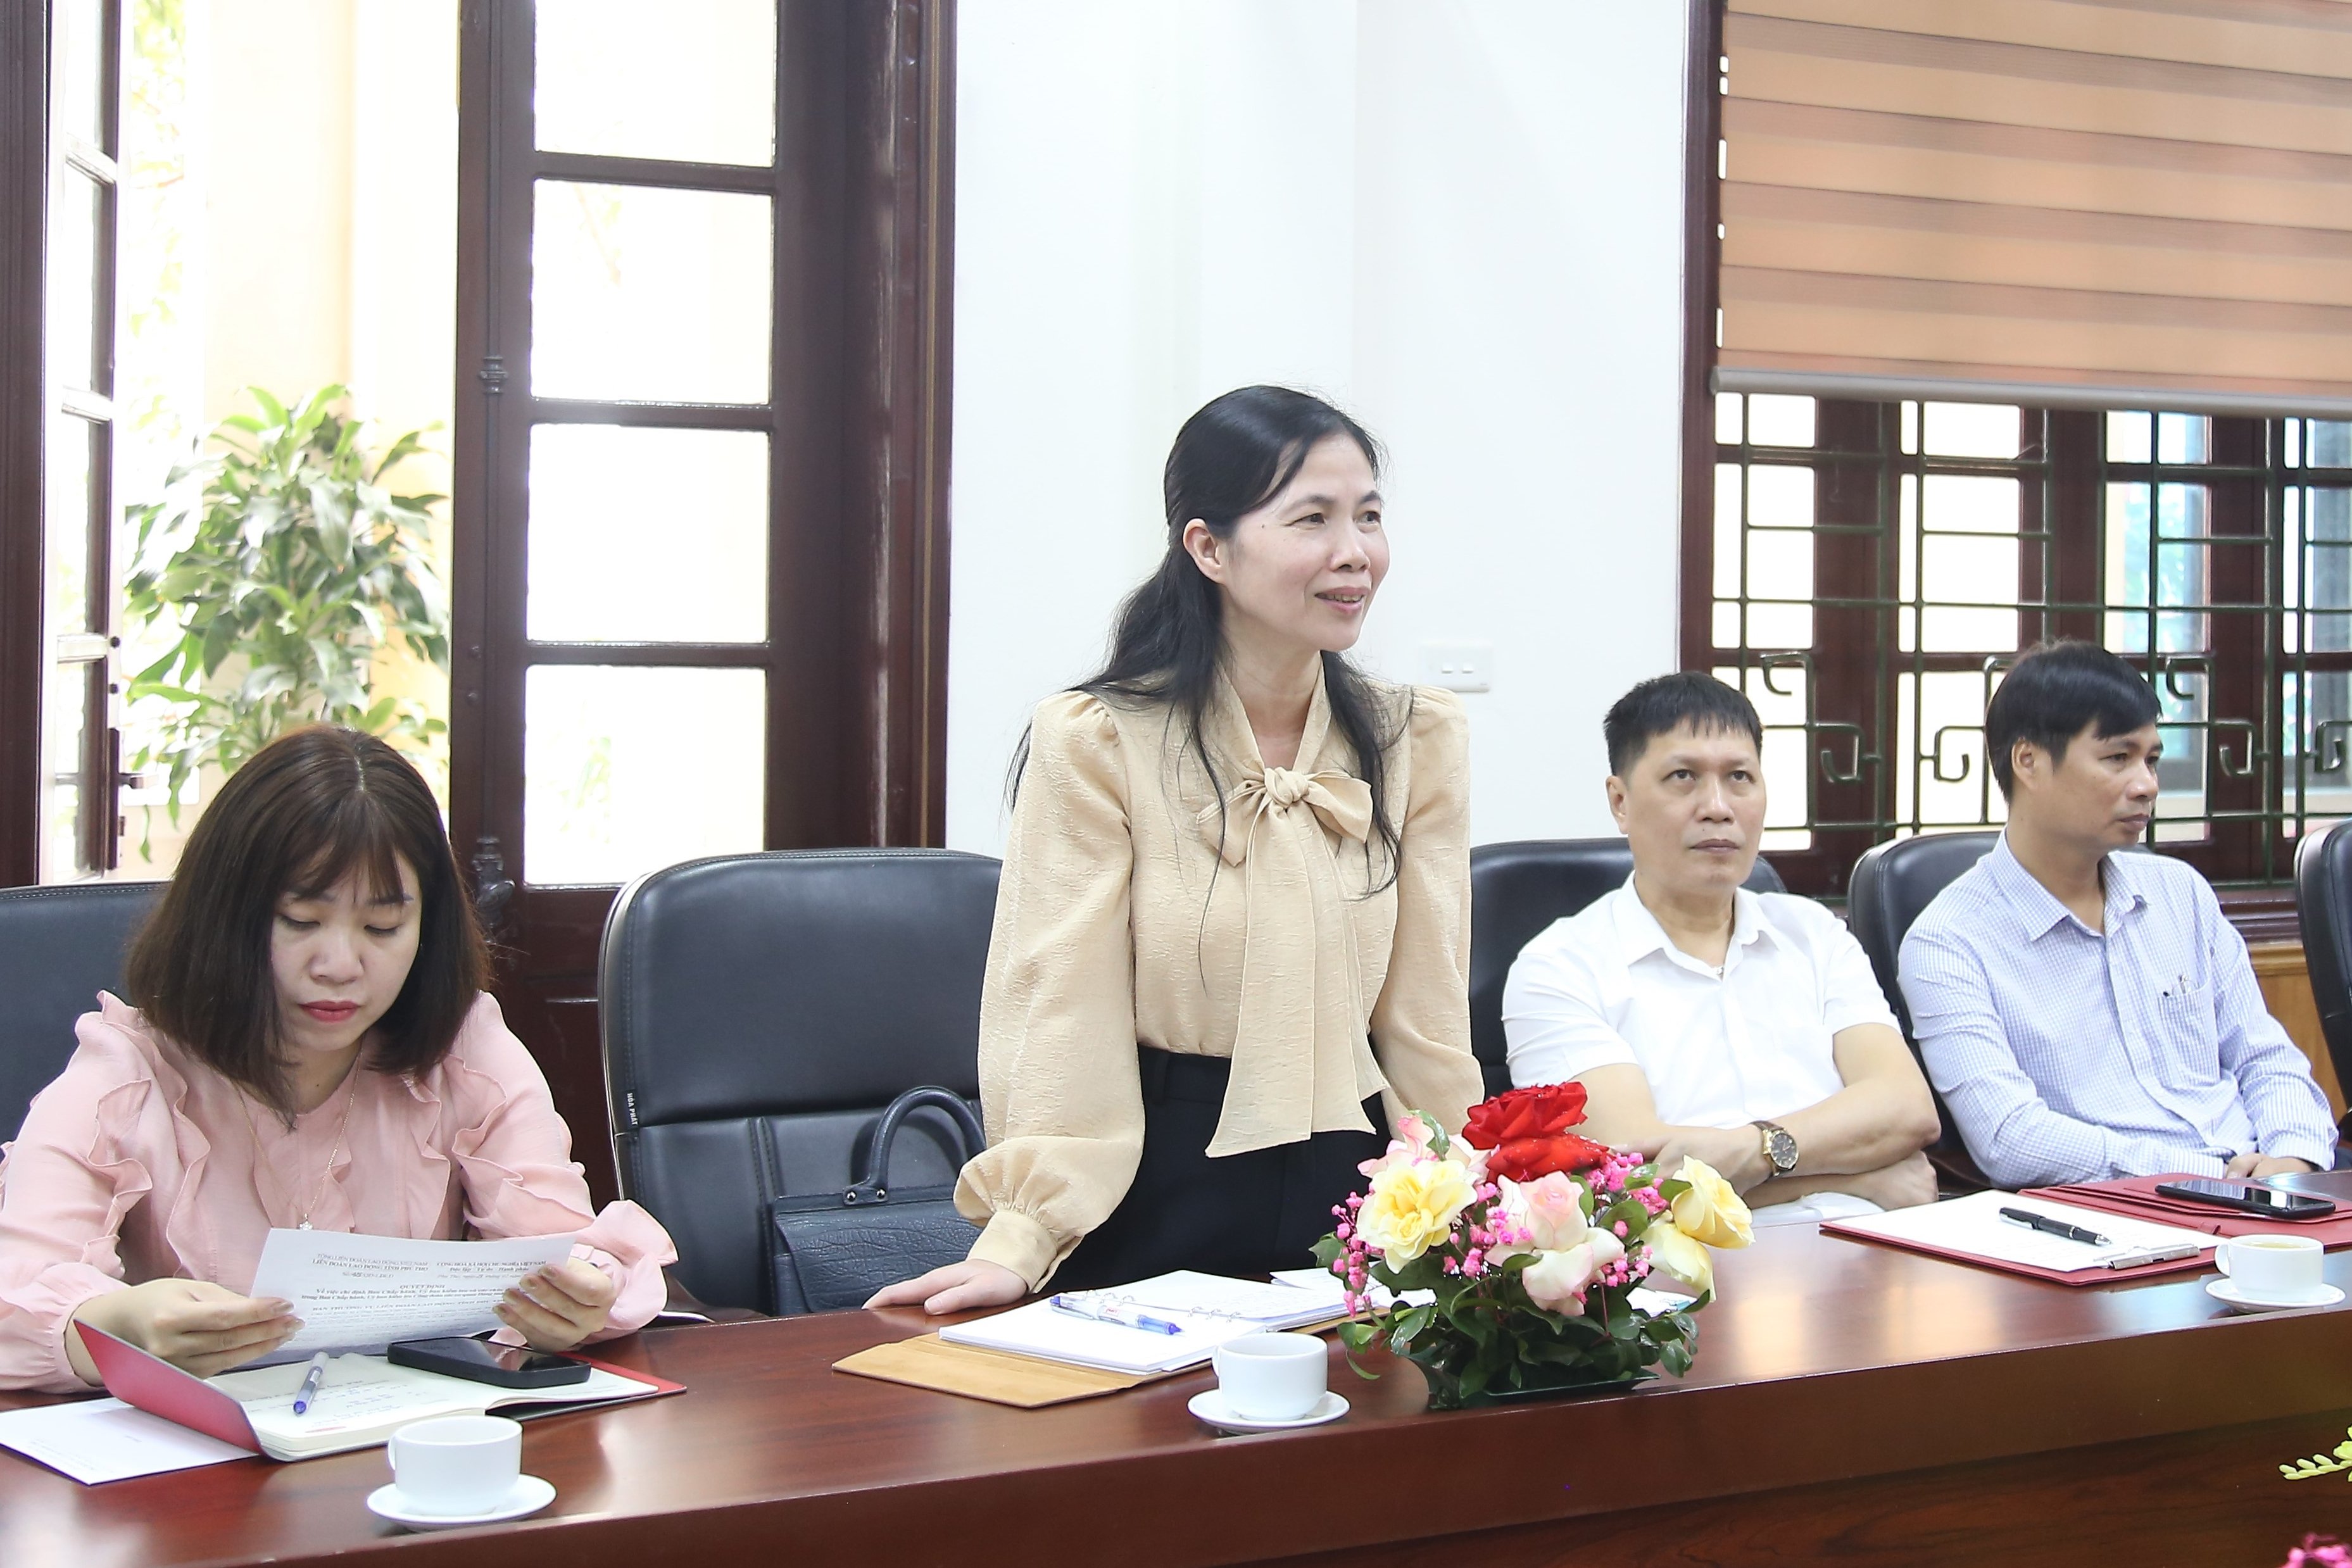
point(1705, 1019)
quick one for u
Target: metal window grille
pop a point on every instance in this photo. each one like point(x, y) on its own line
point(1874, 568)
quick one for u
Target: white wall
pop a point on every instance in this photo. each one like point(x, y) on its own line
point(1462, 221)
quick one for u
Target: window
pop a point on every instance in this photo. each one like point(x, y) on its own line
point(77, 744)
point(700, 462)
point(1874, 567)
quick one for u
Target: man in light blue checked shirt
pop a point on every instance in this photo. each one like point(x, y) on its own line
point(2086, 1014)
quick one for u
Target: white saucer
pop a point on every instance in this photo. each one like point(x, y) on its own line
point(1209, 1405)
point(2228, 1291)
point(530, 1495)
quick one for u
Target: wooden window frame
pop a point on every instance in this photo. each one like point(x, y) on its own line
point(24, 397)
point(855, 654)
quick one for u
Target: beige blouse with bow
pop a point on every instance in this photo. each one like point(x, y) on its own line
point(1133, 910)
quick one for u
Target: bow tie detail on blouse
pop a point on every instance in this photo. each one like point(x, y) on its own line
point(1301, 1062)
point(1341, 801)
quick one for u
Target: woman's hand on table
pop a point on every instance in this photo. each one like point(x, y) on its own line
point(194, 1324)
point(955, 1288)
point(559, 1306)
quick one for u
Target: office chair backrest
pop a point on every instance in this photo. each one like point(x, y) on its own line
point(60, 947)
point(1892, 887)
point(759, 1011)
point(1516, 888)
point(2323, 906)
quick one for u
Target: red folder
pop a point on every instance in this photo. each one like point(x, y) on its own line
point(2202, 1261)
point(158, 1387)
point(2135, 1197)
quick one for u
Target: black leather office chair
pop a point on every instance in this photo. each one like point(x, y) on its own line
point(1518, 888)
point(759, 1010)
point(60, 947)
point(2323, 906)
point(1892, 885)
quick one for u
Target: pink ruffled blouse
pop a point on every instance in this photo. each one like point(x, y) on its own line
point(139, 1163)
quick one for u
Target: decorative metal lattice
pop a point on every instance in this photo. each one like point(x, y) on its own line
point(1876, 567)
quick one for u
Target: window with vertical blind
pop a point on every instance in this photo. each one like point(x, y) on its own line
point(2018, 320)
point(2060, 202)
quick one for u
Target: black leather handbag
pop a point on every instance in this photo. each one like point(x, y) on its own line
point(829, 1251)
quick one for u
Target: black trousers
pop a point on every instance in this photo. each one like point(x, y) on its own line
point(1240, 1214)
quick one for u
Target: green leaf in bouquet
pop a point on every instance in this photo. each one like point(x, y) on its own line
point(1426, 1272)
point(1673, 1188)
point(1409, 1324)
point(1326, 1251)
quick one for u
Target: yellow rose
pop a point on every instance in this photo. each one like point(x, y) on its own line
point(1412, 1209)
point(1711, 1211)
point(1678, 1257)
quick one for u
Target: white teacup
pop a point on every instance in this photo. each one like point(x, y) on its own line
point(1272, 1376)
point(456, 1464)
point(2272, 1268)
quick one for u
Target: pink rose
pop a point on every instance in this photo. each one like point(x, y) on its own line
point(1556, 1281)
point(1549, 1207)
point(1411, 1142)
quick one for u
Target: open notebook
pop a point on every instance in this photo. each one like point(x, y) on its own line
point(361, 1401)
point(1207, 1307)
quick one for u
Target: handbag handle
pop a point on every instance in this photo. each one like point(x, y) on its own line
point(875, 1188)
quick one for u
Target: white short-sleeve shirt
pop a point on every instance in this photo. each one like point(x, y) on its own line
point(1720, 1049)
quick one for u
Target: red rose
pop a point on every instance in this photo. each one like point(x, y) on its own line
point(1526, 1132)
point(1525, 1159)
point(1534, 1113)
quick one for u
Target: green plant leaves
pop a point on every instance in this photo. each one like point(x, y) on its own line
point(284, 565)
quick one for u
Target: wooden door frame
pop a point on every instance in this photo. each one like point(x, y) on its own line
point(860, 420)
point(23, 401)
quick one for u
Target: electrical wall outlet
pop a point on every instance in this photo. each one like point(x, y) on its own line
point(1458, 666)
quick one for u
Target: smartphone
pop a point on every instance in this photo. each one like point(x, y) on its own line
point(506, 1366)
point(2251, 1196)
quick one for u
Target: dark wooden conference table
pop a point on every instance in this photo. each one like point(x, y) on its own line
point(1851, 1404)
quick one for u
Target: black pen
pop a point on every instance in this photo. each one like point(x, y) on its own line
point(2050, 1227)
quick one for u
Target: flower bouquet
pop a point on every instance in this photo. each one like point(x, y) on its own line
point(1531, 1239)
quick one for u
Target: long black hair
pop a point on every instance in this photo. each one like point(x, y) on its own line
point(1233, 457)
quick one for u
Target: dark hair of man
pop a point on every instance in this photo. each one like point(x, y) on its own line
point(2052, 692)
point(1234, 456)
point(307, 810)
point(1665, 704)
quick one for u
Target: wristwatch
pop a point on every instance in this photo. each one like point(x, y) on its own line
point(1779, 1148)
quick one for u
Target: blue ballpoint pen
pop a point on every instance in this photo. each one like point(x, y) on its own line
point(311, 1383)
point(1109, 1312)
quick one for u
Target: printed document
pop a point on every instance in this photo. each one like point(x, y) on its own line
point(98, 1441)
point(360, 1292)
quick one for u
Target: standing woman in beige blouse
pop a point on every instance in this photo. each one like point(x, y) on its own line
point(1232, 942)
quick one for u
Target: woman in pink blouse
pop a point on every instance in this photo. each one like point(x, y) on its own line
point(311, 1048)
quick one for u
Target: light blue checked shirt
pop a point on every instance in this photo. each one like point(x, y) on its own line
point(2067, 1055)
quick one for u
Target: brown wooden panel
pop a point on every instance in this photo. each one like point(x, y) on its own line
point(2286, 980)
point(2203, 1498)
point(23, 185)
